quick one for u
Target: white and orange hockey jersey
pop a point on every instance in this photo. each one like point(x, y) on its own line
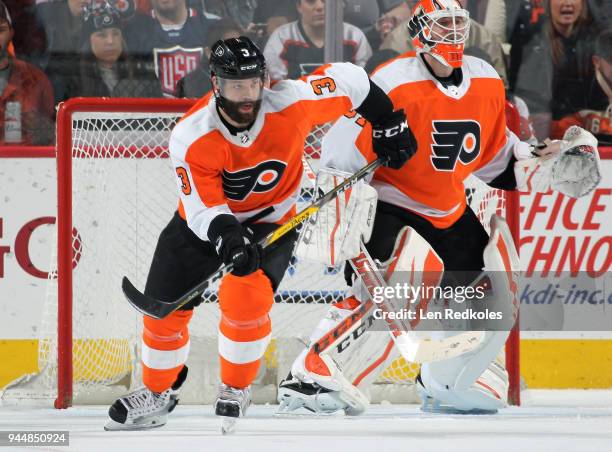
point(460, 130)
point(243, 174)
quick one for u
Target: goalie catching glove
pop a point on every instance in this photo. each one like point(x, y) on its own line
point(570, 166)
point(393, 141)
point(235, 244)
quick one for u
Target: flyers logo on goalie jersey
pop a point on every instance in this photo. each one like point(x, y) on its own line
point(258, 179)
point(452, 141)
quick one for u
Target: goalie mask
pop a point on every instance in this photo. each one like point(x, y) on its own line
point(238, 77)
point(440, 28)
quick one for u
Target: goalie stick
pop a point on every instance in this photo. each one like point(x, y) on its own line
point(158, 309)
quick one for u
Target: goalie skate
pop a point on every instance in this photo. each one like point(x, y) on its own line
point(144, 409)
point(231, 404)
point(294, 394)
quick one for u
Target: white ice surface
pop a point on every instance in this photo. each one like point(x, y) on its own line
point(549, 421)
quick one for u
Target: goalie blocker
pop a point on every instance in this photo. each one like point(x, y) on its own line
point(338, 377)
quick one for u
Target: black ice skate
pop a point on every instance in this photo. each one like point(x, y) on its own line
point(144, 409)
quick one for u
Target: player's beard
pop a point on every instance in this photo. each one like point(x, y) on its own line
point(232, 109)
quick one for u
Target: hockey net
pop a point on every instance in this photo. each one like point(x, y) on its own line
point(116, 193)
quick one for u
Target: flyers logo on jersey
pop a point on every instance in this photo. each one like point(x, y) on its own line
point(258, 179)
point(452, 141)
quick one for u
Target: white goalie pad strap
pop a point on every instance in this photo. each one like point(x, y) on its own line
point(575, 171)
point(335, 232)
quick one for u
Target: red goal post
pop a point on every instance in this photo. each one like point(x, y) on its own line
point(69, 245)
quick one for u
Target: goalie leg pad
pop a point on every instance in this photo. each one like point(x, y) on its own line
point(476, 380)
point(486, 396)
point(341, 360)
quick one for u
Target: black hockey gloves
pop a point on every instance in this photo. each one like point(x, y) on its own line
point(235, 244)
point(392, 139)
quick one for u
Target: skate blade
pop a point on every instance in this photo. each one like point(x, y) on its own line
point(299, 409)
point(432, 407)
point(228, 425)
point(305, 413)
point(112, 426)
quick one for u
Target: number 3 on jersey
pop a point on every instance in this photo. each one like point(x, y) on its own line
point(184, 177)
point(323, 83)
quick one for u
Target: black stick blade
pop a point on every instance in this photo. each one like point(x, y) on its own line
point(149, 306)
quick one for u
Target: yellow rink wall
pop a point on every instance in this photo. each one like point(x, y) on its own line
point(566, 363)
point(545, 363)
point(18, 357)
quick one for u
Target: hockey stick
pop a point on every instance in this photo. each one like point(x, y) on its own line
point(159, 309)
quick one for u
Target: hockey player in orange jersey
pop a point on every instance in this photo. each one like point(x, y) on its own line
point(456, 107)
point(237, 155)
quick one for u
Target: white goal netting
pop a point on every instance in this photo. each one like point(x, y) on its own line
point(123, 194)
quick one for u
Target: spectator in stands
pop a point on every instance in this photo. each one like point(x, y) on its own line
point(197, 82)
point(525, 19)
point(601, 11)
point(241, 12)
point(297, 48)
point(134, 23)
point(376, 18)
point(177, 37)
point(491, 14)
point(268, 16)
point(62, 22)
point(389, 14)
point(479, 37)
point(596, 117)
point(28, 46)
point(105, 69)
point(27, 90)
point(556, 64)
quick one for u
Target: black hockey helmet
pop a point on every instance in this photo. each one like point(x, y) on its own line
point(237, 58)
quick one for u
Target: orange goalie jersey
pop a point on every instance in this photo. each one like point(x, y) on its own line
point(460, 130)
point(243, 174)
